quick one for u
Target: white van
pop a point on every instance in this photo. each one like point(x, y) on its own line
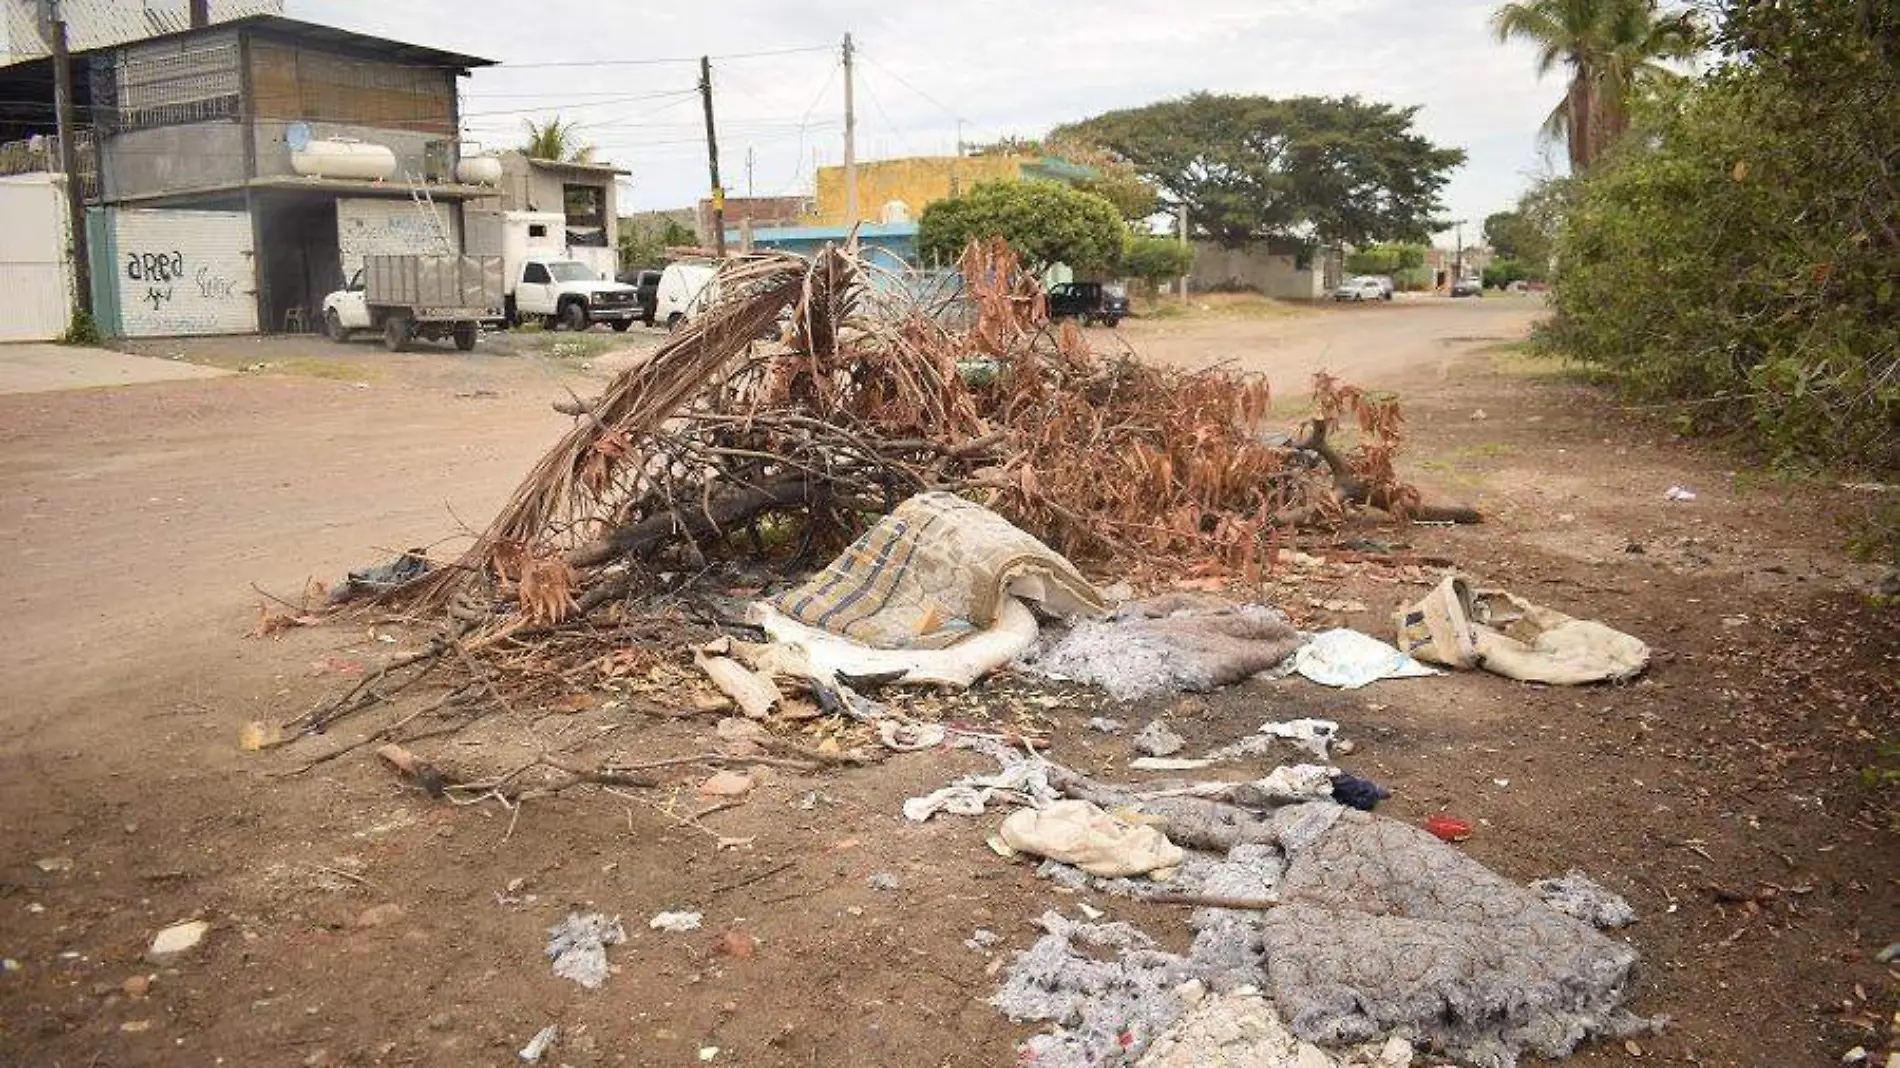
point(684, 289)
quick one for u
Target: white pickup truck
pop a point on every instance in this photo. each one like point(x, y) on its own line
point(409, 297)
point(565, 292)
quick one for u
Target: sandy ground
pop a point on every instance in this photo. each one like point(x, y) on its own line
point(30, 367)
point(357, 923)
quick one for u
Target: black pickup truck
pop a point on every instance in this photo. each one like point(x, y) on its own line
point(1090, 302)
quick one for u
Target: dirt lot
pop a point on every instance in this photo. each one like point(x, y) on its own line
point(1724, 794)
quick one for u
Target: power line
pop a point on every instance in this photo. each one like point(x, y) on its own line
point(945, 108)
point(886, 116)
point(576, 106)
point(660, 61)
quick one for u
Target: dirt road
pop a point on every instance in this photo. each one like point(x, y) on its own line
point(356, 923)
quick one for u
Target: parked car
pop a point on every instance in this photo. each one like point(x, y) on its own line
point(1467, 287)
point(1091, 302)
point(1385, 283)
point(646, 286)
point(1360, 288)
point(682, 289)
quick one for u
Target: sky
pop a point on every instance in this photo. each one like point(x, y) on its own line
point(628, 73)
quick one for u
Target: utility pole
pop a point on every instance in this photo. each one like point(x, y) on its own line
point(1182, 221)
point(1458, 274)
point(55, 30)
point(748, 170)
point(959, 138)
point(712, 159)
point(850, 143)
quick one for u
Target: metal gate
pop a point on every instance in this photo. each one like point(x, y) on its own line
point(180, 273)
point(35, 265)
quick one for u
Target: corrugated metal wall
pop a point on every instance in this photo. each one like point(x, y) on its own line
point(369, 227)
point(35, 280)
point(97, 23)
point(183, 272)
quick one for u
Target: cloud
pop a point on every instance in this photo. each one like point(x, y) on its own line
point(1000, 66)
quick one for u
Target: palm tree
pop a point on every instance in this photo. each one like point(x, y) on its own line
point(1611, 47)
point(557, 140)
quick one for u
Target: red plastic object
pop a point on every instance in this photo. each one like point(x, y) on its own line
point(1448, 828)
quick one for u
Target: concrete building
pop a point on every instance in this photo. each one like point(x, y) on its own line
point(898, 190)
point(583, 192)
point(1287, 270)
point(239, 171)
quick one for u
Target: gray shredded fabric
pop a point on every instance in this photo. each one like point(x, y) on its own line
point(1576, 894)
point(1169, 644)
point(1381, 930)
point(578, 947)
point(1157, 739)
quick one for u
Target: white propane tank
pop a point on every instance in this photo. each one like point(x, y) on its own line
point(895, 211)
point(479, 170)
point(338, 157)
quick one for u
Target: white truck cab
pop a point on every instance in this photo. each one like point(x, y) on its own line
point(567, 292)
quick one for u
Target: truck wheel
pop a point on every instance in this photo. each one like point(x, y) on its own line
point(574, 315)
point(621, 325)
point(396, 333)
point(1112, 321)
point(508, 317)
point(674, 320)
point(333, 325)
point(465, 334)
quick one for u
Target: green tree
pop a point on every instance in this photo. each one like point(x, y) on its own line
point(1114, 180)
point(1386, 259)
point(1612, 48)
point(1514, 235)
point(1155, 259)
point(556, 139)
point(1045, 222)
point(1248, 168)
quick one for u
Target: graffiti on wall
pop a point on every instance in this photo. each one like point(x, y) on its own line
point(184, 272)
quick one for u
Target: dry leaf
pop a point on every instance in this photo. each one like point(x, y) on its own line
point(258, 734)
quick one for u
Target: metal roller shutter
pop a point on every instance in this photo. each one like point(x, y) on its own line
point(185, 272)
point(35, 283)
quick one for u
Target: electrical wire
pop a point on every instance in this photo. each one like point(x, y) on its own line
point(664, 60)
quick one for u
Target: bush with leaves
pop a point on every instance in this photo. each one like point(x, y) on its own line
point(1155, 259)
point(1044, 222)
point(1740, 253)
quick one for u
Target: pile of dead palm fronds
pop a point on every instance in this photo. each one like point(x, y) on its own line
point(720, 442)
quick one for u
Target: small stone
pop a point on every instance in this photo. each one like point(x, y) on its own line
point(133, 1027)
point(1345, 746)
point(54, 864)
point(317, 1059)
point(738, 945)
point(176, 940)
point(1857, 1055)
point(1630, 1047)
point(1105, 725)
point(727, 784)
point(1191, 992)
point(137, 986)
point(707, 1053)
point(1157, 740)
point(379, 915)
point(884, 881)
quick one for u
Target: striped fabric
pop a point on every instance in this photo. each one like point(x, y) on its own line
point(932, 572)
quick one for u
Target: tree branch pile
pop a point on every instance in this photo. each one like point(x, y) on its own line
point(719, 442)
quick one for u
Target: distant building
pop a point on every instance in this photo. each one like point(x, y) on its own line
point(759, 212)
point(1445, 263)
point(1288, 270)
point(908, 186)
point(583, 192)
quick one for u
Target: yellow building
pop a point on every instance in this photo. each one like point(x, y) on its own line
point(916, 182)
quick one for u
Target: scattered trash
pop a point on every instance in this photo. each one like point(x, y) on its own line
point(1298, 782)
point(675, 922)
point(1678, 493)
point(1089, 912)
point(1890, 954)
point(54, 864)
point(1348, 660)
point(1168, 644)
point(754, 692)
point(1025, 781)
point(542, 1041)
point(1316, 736)
point(1242, 1028)
point(1576, 894)
point(1157, 739)
point(1079, 833)
point(708, 1053)
point(983, 939)
point(1448, 828)
point(901, 737)
point(1510, 636)
point(884, 881)
point(578, 947)
point(1362, 794)
point(177, 940)
point(373, 581)
point(1105, 725)
point(1169, 764)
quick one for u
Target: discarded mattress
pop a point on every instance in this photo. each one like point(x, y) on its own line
point(978, 654)
point(1509, 636)
point(933, 572)
point(1170, 644)
point(1381, 930)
